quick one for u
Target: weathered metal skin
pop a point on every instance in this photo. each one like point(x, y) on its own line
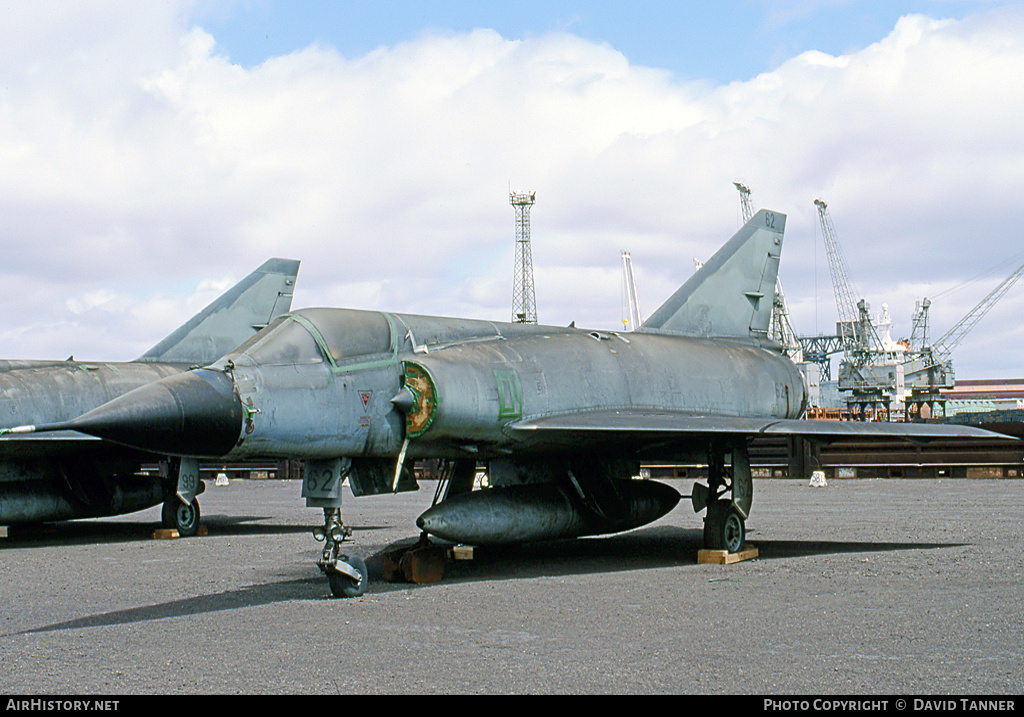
point(60, 392)
point(65, 475)
point(481, 388)
point(343, 366)
point(197, 411)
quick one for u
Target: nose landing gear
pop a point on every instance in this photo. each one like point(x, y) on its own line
point(321, 487)
point(346, 574)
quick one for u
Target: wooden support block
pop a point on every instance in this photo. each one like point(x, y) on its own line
point(424, 564)
point(172, 533)
point(724, 557)
point(462, 552)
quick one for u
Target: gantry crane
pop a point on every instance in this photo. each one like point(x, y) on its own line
point(849, 316)
point(745, 207)
point(630, 302)
point(930, 368)
point(919, 324)
point(871, 371)
point(877, 370)
point(819, 349)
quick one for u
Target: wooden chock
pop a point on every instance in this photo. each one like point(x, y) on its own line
point(724, 557)
point(462, 552)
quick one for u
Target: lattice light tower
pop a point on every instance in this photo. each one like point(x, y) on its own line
point(524, 301)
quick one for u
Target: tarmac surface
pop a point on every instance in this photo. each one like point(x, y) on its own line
point(862, 587)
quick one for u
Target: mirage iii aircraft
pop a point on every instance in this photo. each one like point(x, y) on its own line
point(65, 475)
point(559, 417)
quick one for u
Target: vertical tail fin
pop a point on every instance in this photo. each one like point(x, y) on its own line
point(232, 318)
point(733, 293)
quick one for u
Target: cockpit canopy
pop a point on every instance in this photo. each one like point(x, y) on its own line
point(314, 335)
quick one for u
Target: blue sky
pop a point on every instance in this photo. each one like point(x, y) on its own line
point(715, 41)
point(152, 154)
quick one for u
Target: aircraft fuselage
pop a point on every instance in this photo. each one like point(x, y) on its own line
point(454, 386)
point(69, 475)
point(61, 390)
point(64, 473)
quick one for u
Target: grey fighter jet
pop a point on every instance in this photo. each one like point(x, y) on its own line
point(559, 417)
point(66, 475)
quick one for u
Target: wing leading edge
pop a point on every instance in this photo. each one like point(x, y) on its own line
point(666, 425)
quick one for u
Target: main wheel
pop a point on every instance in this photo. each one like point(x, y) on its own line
point(723, 527)
point(343, 586)
point(181, 517)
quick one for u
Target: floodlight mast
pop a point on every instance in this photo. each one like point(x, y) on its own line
point(524, 300)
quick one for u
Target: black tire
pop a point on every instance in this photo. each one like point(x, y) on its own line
point(342, 586)
point(181, 517)
point(723, 528)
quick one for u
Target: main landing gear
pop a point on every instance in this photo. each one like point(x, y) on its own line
point(181, 508)
point(181, 516)
point(725, 520)
point(723, 527)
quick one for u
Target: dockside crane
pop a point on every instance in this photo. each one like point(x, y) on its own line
point(819, 349)
point(849, 316)
point(943, 348)
point(630, 303)
point(919, 323)
point(746, 209)
point(930, 368)
point(875, 370)
point(871, 372)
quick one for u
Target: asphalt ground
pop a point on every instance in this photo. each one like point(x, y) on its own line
point(874, 587)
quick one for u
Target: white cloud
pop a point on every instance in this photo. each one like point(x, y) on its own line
point(135, 159)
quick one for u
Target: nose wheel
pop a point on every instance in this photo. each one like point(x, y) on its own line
point(343, 585)
point(346, 574)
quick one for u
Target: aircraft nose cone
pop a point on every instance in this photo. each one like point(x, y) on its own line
point(196, 413)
